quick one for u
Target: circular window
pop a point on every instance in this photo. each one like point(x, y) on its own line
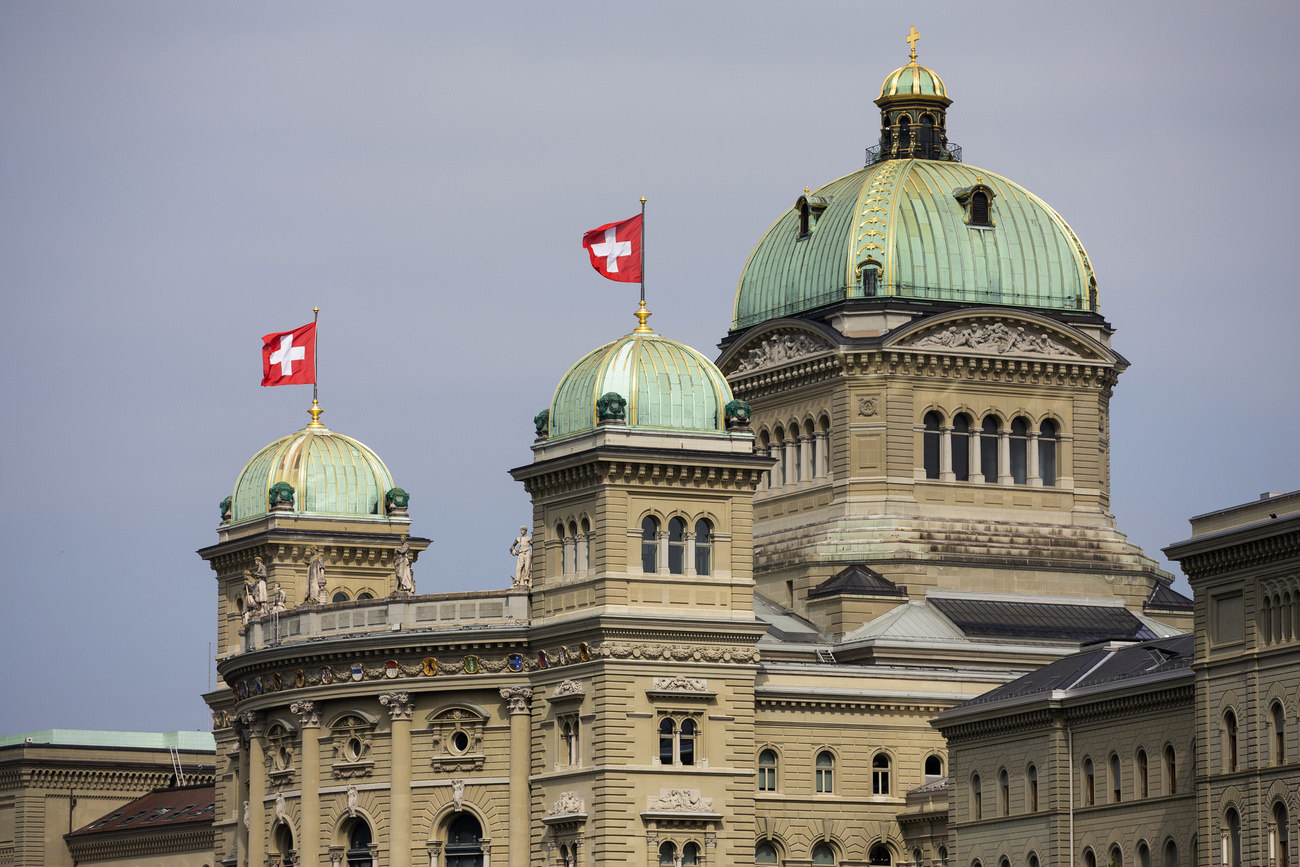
point(460, 742)
point(354, 748)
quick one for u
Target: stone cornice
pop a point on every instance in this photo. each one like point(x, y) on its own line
point(1051, 709)
point(141, 842)
point(727, 472)
point(39, 774)
point(280, 546)
point(1215, 555)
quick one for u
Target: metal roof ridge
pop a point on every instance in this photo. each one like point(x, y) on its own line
point(981, 596)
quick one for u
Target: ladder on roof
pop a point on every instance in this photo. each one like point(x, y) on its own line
point(824, 655)
point(176, 766)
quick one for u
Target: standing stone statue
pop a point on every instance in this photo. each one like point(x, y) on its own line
point(402, 568)
point(258, 574)
point(522, 551)
point(278, 599)
point(315, 576)
point(250, 599)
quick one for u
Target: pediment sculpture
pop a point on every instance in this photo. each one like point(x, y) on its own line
point(679, 801)
point(567, 687)
point(997, 338)
point(780, 348)
point(568, 805)
point(682, 684)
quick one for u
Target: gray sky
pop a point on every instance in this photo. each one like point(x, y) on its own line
point(179, 179)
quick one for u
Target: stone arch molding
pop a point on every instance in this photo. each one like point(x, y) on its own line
point(777, 344)
point(1001, 332)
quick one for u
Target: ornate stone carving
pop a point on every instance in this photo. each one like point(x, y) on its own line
point(737, 414)
point(522, 550)
point(996, 338)
point(402, 568)
point(315, 576)
point(680, 653)
point(254, 723)
point(246, 814)
point(280, 497)
point(542, 421)
point(457, 794)
point(567, 687)
point(278, 599)
point(780, 348)
point(611, 408)
point(867, 406)
point(518, 697)
point(457, 740)
point(395, 502)
point(682, 684)
point(308, 713)
point(679, 801)
point(399, 704)
point(352, 738)
point(568, 804)
point(281, 809)
point(352, 801)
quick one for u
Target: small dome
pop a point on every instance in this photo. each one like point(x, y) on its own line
point(331, 474)
point(913, 80)
point(667, 386)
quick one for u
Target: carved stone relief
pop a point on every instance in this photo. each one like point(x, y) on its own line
point(996, 338)
point(568, 804)
point(567, 687)
point(780, 348)
point(679, 801)
point(682, 684)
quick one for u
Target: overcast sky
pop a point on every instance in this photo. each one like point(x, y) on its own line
point(179, 179)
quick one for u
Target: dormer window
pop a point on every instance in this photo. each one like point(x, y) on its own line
point(979, 209)
point(869, 274)
point(810, 209)
point(977, 200)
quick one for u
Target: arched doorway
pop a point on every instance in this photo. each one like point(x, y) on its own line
point(464, 842)
point(359, 840)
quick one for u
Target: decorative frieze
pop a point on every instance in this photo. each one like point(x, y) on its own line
point(678, 801)
point(997, 338)
point(681, 684)
point(781, 349)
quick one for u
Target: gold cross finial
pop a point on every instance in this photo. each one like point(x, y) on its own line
point(912, 40)
point(805, 191)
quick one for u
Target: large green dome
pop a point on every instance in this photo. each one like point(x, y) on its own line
point(331, 474)
point(667, 386)
point(908, 222)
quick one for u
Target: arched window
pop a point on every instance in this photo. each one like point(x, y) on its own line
point(1267, 629)
point(870, 279)
point(703, 547)
point(1279, 844)
point(931, 445)
point(880, 774)
point(1286, 621)
point(1114, 779)
point(880, 854)
point(1019, 450)
point(989, 433)
point(690, 855)
point(649, 545)
point(359, 838)
point(1047, 452)
point(282, 839)
point(667, 854)
point(823, 854)
point(1032, 777)
point(943, 856)
point(1116, 857)
point(1232, 839)
point(767, 771)
point(686, 742)
point(1279, 734)
point(464, 848)
point(339, 596)
point(979, 209)
point(1171, 854)
point(676, 546)
point(904, 133)
point(976, 797)
point(1144, 855)
point(363, 595)
point(1089, 858)
point(933, 768)
point(1033, 860)
point(667, 736)
point(925, 138)
point(961, 447)
point(917, 858)
point(571, 550)
point(1004, 792)
point(1171, 771)
point(1004, 861)
point(1089, 787)
point(765, 853)
point(825, 773)
point(1142, 786)
point(569, 734)
point(584, 547)
point(1230, 741)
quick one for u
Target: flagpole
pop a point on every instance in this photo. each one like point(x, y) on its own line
point(643, 251)
point(315, 354)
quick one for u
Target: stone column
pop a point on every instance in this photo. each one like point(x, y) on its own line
point(255, 723)
point(791, 467)
point(581, 558)
point(518, 699)
point(570, 555)
point(661, 553)
point(241, 798)
point(399, 706)
point(945, 454)
point(1032, 478)
point(688, 554)
point(805, 459)
point(976, 456)
point(1004, 457)
point(309, 802)
point(435, 852)
point(823, 455)
point(765, 477)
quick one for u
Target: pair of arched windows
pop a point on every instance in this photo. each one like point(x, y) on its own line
point(575, 551)
point(991, 454)
point(677, 741)
point(765, 852)
point(1279, 617)
point(342, 596)
point(668, 855)
point(672, 552)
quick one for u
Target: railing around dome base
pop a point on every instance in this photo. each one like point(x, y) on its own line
point(920, 151)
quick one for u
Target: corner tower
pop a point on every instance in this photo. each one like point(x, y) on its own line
point(922, 345)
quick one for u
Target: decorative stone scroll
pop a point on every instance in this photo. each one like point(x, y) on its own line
point(567, 687)
point(996, 338)
point(679, 801)
point(682, 684)
point(254, 723)
point(780, 348)
point(568, 804)
point(399, 704)
point(518, 697)
point(308, 713)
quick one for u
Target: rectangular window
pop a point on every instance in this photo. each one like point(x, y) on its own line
point(1227, 619)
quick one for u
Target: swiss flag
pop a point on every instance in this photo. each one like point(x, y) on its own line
point(615, 250)
point(289, 357)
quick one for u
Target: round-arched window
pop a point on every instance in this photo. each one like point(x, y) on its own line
point(464, 848)
point(765, 853)
point(823, 854)
point(359, 838)
point(649, 545)
point(676, 546)
point(703, 547)
point(880, 854)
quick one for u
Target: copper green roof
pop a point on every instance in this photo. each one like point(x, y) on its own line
point(905, 216)
point(913, 79)
point(667, 386)
point(331, 474)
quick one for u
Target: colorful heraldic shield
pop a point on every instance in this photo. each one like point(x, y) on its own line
point(515, 662)
point(357, 672)
point(471, 665)
point(326, 675)
point(390, 668)
point(299, 678)
point(543, 661)
point(430, 666)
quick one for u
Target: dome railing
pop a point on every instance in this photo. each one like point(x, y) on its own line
point(945, 151)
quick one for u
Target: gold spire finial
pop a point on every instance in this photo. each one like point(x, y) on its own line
point(315, 310)
point(911, 40)
point(315, 412)
point(643, 200)
point(641, 316)
point(805, 191)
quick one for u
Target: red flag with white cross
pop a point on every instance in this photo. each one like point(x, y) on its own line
point(615, 250)
point(289, 357)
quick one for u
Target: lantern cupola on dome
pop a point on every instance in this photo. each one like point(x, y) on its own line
point(913, 114)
